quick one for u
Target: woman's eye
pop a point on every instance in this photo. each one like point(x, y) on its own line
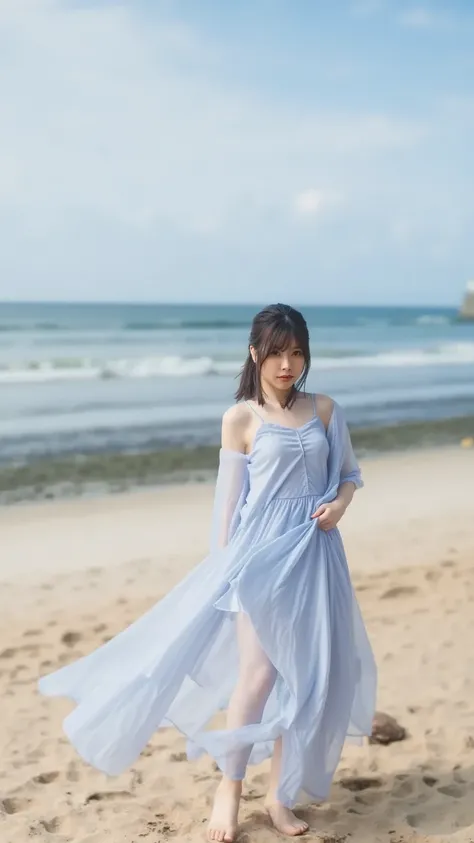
point(298, 352)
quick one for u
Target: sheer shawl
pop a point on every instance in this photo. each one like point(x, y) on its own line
point(230, 493)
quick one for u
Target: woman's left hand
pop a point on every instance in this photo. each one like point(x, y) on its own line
point(329, 514)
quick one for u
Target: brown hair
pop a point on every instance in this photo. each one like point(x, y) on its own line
point(273, 328)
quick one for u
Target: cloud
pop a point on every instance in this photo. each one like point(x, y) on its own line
point(423, 18)
point(309, 202)
point(105, 110)
point(125, 154)
point(313, 202)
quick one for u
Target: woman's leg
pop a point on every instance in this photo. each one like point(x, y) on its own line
point(282, 818)
point(255, 682)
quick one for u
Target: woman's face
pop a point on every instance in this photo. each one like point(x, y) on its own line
point(282, 369)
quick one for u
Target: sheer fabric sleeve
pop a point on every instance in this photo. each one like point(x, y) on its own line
point(230, 494)
point(342, 462)
point(350, 470)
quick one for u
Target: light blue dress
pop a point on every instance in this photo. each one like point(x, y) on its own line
point(178, 664)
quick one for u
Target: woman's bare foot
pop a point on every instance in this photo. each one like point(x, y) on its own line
point(284, 820)
point(223, 823)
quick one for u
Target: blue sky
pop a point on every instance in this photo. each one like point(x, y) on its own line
point(184, 150)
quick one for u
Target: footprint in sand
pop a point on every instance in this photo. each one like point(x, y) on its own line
point(46, 778)
point(415, 820)
point(433, 575)
point(12, 805)
point(30, 632)
point(108, 795)
point(70, 638)
point(399, 591)
point(178, 756)
point(455, 790)
point(356, 783)
point(8, 653)
point(51, 825)
point(101, 627)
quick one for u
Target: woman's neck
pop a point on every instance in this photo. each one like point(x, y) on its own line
point(277, 397)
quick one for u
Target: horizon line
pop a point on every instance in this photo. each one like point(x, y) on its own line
point(148, 302)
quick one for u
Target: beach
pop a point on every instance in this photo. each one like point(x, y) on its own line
point(75, 572)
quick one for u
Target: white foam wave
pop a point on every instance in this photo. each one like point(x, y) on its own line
point(449, 354)
point(86, 369)
point(178, 367)
point(433, 319)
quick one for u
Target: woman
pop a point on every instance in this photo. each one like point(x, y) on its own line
point(267, 626)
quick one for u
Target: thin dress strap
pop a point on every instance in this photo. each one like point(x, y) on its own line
point(255, 411)
point(313, 396)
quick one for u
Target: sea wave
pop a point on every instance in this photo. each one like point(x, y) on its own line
point(145, 326)
point(86, 369)
point(447, 354)
point(432, 319)
point(180, 324)
point(62, 369)
point(323, 318)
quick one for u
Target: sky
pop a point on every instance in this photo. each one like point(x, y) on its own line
point(188, 150)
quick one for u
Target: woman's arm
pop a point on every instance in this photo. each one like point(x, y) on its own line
point(234, 428)
point(232, 478)
point(349, 476)
point(345, 493)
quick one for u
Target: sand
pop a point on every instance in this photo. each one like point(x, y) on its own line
point(76, 572)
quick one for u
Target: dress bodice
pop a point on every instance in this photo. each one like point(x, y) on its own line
point(287, 466)
point(288, 462)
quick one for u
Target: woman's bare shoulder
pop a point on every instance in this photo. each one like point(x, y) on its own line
point(324, 407)
point(236, 415)
point(235, 423)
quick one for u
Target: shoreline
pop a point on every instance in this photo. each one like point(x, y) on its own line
point(93, 475)
point(426, 494)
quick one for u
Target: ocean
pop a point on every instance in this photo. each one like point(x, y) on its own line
point(85, 379)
